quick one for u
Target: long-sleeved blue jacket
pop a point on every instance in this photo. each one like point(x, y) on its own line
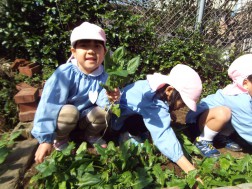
point(67, 85)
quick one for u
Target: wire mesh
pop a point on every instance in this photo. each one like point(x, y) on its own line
point(226, 24)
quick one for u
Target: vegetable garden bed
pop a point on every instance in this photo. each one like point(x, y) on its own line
point(139, 166)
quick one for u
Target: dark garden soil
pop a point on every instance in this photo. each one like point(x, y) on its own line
point(180, 122)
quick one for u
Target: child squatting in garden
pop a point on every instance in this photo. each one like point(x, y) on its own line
point(228, 110)
point(70, 96)
point(154, 99)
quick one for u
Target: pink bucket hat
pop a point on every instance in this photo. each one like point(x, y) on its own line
point(239, 70)
point(184, 79)
point(87, 31)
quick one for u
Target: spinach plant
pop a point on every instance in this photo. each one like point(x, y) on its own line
point(126, 166)
point(136, 167)
point(118, 68)
point(225, 170)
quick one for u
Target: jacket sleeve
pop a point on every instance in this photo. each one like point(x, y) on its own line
point(54, 96)
point(158, 120)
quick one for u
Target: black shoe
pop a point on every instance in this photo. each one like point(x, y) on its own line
point(226, 142)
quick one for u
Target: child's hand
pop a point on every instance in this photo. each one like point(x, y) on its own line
point(114, 95)
point(43, 150)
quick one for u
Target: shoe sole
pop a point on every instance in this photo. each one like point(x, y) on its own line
point(233, 150)
point(213, 156)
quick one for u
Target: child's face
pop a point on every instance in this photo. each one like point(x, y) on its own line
point(89, 54)
point(247, 84)
point(179, 104)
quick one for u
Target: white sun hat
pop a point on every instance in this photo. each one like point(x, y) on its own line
point(184, 79)
point(239, 70)
point(87, 31)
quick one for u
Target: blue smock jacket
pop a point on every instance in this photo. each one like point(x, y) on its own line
point(240, 106)
point(139, 98)
point(67, 85)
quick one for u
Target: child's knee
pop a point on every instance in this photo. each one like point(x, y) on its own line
point(223, 113)
point(220, 115)
point(98, 116)
point(68, 116)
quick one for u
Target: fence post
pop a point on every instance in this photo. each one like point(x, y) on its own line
point(200, 12)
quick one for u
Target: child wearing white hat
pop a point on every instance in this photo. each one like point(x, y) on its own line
point(226, 111)
point(154, 99)
point(70, 96)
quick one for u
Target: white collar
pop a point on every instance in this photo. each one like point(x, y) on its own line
point(96, 72)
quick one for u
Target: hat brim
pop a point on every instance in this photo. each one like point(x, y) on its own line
point(191, 104)
point(89, 38)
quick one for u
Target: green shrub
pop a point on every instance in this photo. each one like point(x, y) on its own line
point(40, 30)
point(204, 58)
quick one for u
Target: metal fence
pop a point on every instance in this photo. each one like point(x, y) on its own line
point(227, 24)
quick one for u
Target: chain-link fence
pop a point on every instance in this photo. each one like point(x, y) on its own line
point(227, 24)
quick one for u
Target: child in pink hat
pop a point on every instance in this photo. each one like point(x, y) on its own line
point(227, 112)
point(153, 100)
point(70, 96)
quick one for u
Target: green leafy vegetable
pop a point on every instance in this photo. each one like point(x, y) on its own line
point(130, 166)
point(118, 68)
